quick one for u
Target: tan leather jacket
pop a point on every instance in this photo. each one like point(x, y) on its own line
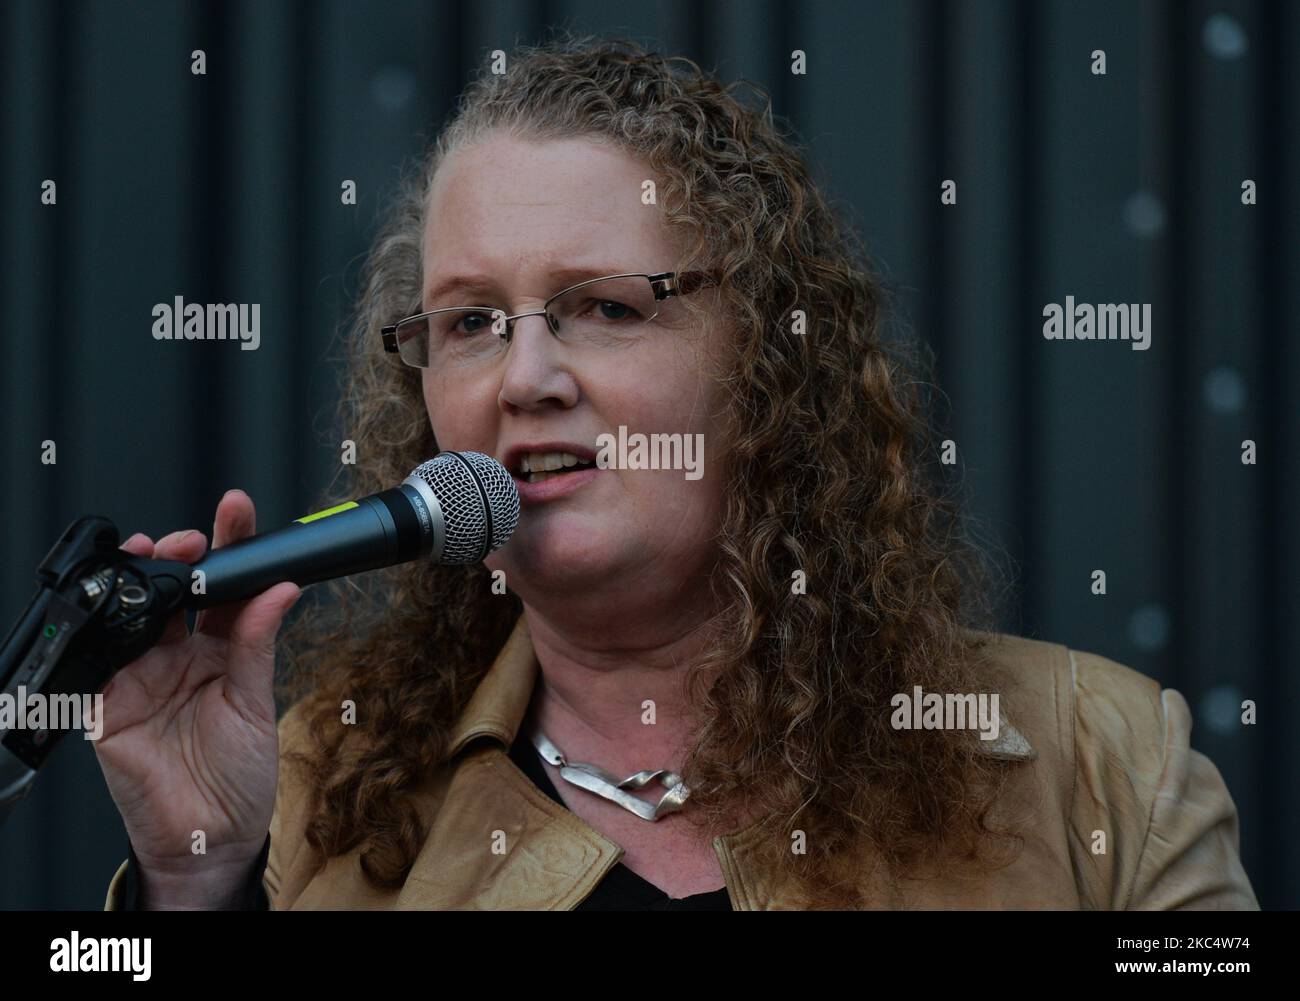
point(1104, 749)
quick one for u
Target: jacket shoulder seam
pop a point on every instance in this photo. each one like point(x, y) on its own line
point(1155, 798)
point(1072, 746)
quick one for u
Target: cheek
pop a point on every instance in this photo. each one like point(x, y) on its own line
point(459, 413)
point(433, 400)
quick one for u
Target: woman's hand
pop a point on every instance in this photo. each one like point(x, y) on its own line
point(189, 742)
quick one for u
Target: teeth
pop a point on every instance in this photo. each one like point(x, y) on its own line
point(545, 462)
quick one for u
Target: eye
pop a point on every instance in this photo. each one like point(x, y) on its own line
point(468, 324)
point(610, 309)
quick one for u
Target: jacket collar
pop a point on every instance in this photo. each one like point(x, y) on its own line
point(499, 704)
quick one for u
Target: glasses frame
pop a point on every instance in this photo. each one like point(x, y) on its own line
point(663, 285)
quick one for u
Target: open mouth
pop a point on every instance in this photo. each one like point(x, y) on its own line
point(537, 467)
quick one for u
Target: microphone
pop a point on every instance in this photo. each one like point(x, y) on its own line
point(454, 509)
point(98, 607)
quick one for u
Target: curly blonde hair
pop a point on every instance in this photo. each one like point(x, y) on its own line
point(831, 472)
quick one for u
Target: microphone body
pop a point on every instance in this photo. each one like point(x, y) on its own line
point(381, 530)
point(456, 508)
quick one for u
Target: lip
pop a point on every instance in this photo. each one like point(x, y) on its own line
point(554, 487)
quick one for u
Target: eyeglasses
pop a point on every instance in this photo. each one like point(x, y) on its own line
point(601, 313)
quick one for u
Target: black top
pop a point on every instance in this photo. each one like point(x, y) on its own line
point(620, 890)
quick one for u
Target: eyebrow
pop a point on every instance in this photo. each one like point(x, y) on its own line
point(473, 284)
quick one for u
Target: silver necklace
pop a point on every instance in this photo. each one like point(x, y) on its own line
point(595, 779)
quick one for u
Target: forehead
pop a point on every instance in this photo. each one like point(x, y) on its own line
point(513, 209)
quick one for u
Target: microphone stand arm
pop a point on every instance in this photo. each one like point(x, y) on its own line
point(96, 609)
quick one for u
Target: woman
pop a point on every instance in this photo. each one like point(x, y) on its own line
point(752, 633)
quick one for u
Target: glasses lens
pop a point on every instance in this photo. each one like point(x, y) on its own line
point(450, 337)
point(605, 312)
point(413, 342)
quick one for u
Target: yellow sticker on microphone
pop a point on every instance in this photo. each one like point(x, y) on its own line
point(326, 513)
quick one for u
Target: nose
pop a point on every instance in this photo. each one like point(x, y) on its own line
point(535, 371)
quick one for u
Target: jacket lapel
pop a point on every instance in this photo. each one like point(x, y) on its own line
point(495, 841)
point(498, 705)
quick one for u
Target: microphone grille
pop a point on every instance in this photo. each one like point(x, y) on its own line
point(480, 504)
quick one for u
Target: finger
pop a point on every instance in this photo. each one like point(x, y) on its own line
point(236, 519)
point(135, 540)
point(139, 545)
point(185, 547)
point(251, 668)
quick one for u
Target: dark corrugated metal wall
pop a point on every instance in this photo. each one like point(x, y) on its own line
point(1076, 456)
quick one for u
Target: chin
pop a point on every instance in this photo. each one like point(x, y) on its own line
point(561, 553)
